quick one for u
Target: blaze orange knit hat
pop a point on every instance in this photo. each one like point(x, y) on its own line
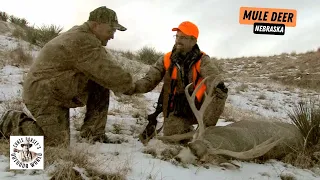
point(188, 28)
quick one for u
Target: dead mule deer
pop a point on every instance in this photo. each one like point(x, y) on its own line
point(243, 140)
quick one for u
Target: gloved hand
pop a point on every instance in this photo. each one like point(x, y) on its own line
point(221, 90)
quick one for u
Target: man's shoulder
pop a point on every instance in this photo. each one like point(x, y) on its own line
point(81, 35)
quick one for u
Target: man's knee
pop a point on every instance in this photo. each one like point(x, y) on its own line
point(175, 125)
point(54, 121)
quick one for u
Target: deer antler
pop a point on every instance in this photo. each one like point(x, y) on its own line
point(199, 113)
point(255, 152)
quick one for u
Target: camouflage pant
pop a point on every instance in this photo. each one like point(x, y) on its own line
point(18, 123)
point(177, 125)
point(55, 123)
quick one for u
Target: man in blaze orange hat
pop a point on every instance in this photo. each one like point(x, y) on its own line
point(185, 64)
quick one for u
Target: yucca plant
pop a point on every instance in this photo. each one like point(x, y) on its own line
point(306, 117)
point(46, 33)
point(4, 16)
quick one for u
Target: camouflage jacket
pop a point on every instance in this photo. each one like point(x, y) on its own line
point(60, 73)
point(157, 72)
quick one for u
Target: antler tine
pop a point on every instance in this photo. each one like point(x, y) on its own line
point(255, 152)
point(208, 97)
point(198, 113)
point(192, 98)
point(206, 102)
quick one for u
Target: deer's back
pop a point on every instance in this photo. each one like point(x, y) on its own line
point(244, 135)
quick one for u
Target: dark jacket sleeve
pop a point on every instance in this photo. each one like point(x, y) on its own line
point(208, 67)
point(152, 78)
point(100, 67)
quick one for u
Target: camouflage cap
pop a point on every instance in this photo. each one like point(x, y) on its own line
point(105, 15)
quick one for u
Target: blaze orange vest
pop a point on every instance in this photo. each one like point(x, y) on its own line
point(195, 71)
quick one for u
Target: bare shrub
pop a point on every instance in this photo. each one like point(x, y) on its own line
point(65, 162)
point(20, 57)
point(4, 147)
point(121, 175)
point(293, 53)
point(243, 87)
point(18, 21)
point(259, 61)
point(31, 35)
point(13, 104)
point(262, 96)
point(117, 128)
point(128, 54)
point(148, 55)
point(3, 16)
point(299, 159)
point(287, 176)
point(18, 33)
point(151, 151)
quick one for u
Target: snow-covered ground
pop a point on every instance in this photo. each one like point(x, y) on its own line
point(267, 99)
point(127, 119)
point(130, 154)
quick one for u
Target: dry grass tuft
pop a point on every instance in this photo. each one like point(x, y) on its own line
point(151, 151)
point(148, 55)
point(301, 160)
point(20, 57)
point(74, 163)
point(287, 176)
point(12, 104)
point(241, 88)
point(4, 147)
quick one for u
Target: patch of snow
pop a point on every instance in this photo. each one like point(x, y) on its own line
point(8, 43)
point(272, 102)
